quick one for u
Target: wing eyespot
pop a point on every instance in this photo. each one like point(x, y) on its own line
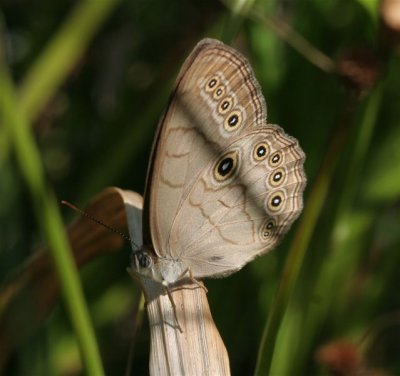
point(211, 84)
point(226, 166)
point(233, 120)
point(275, 201)
point(277, 177)
point(260, 151)
point(225, 105)
point(275, 159)
point(219, 92)
point(267, 229)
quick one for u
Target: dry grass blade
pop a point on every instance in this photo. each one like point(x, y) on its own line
point(196, 350)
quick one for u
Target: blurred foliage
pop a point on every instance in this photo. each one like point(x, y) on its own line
point(94, 126)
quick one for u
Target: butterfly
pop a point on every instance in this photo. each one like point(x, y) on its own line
point(223, 186)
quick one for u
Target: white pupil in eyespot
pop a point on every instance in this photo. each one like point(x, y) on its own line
point(233, 120)
point(276, 201)
point(277, 176)
point(261, 151)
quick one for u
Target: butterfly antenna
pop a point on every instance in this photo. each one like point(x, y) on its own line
point(88, 216)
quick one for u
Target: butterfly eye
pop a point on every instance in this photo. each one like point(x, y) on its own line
point(219, 92)
point(277, 177)
point(212, 84)
point(267, 229)
point(275, 201)
point(233, 120)
point(226, 166)
point(261, 151)
point(142, 259)
point(275, 159)
point(225, 105)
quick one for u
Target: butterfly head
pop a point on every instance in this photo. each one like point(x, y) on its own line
point(163, 270)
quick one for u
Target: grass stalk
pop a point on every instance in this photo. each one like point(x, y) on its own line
point(49, 220)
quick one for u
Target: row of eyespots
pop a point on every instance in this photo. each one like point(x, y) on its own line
point(275, 179)
point(275, 203)
point(233, 118)
point(226, 165)
point(262, 151)
point(275, 200)
point(229, 161)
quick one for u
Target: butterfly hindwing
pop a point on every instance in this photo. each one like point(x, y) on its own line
point(228, 220)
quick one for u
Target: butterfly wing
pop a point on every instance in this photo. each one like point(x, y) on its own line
point(215, 115)
point(185, 143)
point(241, 204)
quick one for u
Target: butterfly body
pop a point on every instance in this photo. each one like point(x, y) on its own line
point(223, 186)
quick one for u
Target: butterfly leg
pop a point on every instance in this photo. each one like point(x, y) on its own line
point(193, 280)
point(171, 299)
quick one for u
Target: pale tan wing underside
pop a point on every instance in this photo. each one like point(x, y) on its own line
point(190, 135)
point(209, 192)
point(225, 223)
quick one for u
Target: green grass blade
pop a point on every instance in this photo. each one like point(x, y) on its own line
point(49, 220)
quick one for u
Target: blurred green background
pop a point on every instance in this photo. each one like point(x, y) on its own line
point(91, 81)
